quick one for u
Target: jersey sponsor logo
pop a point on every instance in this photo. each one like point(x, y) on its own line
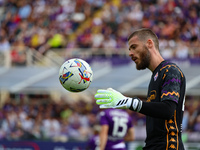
point(172, 140)
point(156, 76)
point(172, 136)
point(172, 133)
point(170, 121)
point(152, 96)
point(172, 146)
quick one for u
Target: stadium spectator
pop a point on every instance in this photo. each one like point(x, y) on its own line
point(50, 125)
point(182, 50)
point(18, 53)
point(192, 115)
point(93, 141)
point(24, 9)
point(197, 123)
point(4, 44)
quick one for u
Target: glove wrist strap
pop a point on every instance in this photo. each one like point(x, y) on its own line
point(136, 104)
point(129, 102)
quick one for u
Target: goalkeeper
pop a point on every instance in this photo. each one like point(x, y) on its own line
point(165, 99)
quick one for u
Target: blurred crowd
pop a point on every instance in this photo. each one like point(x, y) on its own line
point(45, 24)
point(43, 119)
point(68, 24)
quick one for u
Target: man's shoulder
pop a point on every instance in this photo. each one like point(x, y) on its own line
point(171, 70)
point(171, 67)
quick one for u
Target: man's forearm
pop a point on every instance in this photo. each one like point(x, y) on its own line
point(162, 110)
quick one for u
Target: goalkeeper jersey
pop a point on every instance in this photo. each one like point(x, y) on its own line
point(119, 122)
point(167, 83)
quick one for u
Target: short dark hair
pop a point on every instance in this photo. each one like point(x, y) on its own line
point(145, 33)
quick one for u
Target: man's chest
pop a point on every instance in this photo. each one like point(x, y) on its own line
point(154, 89)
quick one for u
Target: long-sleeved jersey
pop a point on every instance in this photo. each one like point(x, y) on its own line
point(167, 84)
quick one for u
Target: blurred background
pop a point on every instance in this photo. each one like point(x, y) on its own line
point(36, 37)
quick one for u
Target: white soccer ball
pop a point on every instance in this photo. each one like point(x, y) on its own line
point(75, 75)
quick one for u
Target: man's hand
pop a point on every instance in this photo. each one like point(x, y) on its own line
point(111, 98)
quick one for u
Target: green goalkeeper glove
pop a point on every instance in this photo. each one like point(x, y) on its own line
point(111, 98)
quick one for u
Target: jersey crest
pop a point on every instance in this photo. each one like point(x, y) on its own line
point(156, 76)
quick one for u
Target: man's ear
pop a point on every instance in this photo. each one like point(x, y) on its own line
point(150, 43)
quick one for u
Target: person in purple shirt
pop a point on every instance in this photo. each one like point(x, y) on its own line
point(116, 128)
point(93, 142)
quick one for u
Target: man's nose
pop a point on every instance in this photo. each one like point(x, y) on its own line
point(131, 53)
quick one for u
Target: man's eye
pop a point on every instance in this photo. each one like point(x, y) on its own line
point(133, 47)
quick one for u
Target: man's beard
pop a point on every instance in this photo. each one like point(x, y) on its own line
point(145, 59)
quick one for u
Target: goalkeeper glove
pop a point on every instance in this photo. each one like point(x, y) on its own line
point(111, 98)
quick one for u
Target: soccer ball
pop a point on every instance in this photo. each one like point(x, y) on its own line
point(75, 75)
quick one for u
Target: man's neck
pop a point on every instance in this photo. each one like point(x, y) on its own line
point(155, 61)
